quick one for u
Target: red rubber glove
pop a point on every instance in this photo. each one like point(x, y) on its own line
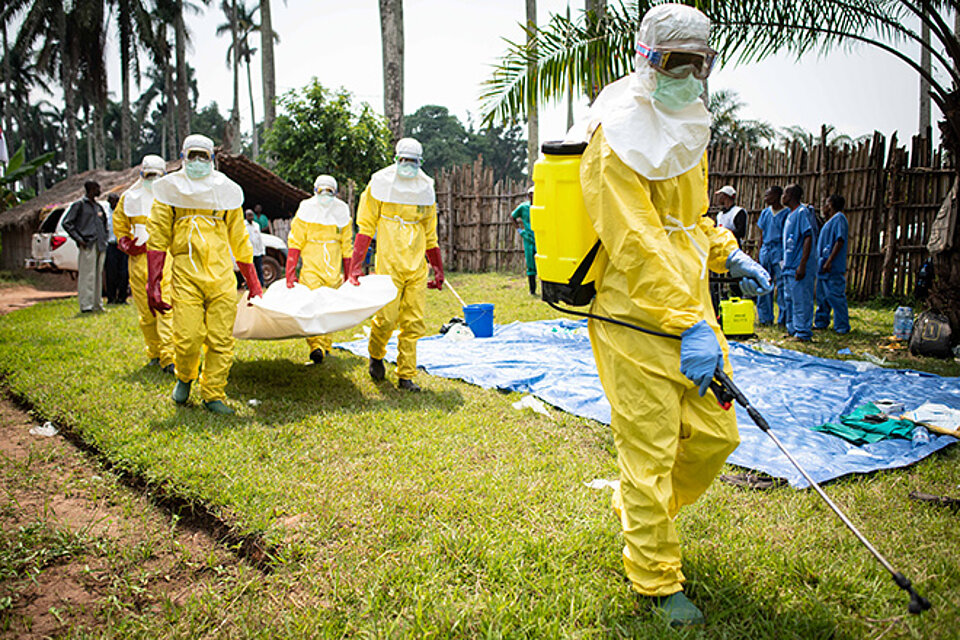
point(293, 257)
point(346, 268)
point(433, 257)
point(250, 276)
point(130, 247)
point(360, 245)
point(155, 260)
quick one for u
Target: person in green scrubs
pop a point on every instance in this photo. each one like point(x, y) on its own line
point(521, 218)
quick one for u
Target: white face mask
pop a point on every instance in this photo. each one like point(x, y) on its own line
point(325, 198)
point(407, 170)
point(199, 168)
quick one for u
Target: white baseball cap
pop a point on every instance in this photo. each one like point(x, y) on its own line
point(727, 190)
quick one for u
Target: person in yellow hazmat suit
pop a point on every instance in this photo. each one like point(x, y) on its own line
point(321, 234)
point(130, 226)
point(197, 218)
point(400, 206)
point(644, 181)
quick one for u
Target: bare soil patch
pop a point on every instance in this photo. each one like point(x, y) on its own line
point(13, 298)
point(123, 551)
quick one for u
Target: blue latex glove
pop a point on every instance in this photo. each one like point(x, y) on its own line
point(700, 354)
point(755, 279)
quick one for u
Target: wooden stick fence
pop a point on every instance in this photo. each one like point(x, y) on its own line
point(892, 196)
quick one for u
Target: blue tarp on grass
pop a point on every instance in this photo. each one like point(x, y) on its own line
point(552, 360)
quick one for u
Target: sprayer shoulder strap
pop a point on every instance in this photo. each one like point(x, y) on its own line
point(577, 278)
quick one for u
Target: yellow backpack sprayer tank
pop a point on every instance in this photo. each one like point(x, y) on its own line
point(566, 241)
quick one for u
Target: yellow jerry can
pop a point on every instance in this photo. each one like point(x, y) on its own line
point(736, 317)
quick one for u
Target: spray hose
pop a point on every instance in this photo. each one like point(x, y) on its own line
point(727, 393)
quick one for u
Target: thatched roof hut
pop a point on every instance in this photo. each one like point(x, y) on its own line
point(18, 224)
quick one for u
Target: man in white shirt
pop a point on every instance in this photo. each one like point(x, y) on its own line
point(256, 241)
point(731, 216)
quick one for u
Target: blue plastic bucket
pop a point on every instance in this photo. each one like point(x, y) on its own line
point(479, 318)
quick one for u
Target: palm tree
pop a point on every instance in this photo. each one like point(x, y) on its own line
point(268, 69)
point(600, 51)
point(48, 22)
point(246, 25)
point(533, 128)
point(23, 75)
point(176, 9)
point(163, 86)
point(91, 30)
point(133, 28)
point(229, 8)
point(391, 36)
point(40, 132)
point(728, 128)
point(5, 110)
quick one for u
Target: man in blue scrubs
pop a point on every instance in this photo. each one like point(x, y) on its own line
point(832, 276)
point(771, 222)
point(799, 264)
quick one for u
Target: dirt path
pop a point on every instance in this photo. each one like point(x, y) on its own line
point(78, 548)
point(13, 298)
point(76, 544)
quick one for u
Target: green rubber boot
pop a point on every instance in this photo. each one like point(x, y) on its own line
point(181, 392)
point(215, 406)
point(678, 611)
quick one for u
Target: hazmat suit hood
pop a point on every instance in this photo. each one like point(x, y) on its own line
point(138, 199)
point(335, 213)
point(214, 192)
point(656, 142)
point(387, 186)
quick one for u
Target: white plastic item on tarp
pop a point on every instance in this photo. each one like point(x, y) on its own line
point(301, 312)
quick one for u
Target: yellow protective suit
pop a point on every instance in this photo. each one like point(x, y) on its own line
point(404, 233)
point(322, 250)
point(157, 329)
point(670, 441)
point(204, 287)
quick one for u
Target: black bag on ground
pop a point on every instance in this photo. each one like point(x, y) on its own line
point(931, 335)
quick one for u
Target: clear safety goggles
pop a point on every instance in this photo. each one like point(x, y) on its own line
point(679, 63)
point(327, 190)
point(150, 175)
point(198, 154)
point(408, 160)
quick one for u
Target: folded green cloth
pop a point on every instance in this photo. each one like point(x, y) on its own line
point(867, 424)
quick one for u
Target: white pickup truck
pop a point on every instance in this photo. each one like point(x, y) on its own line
point(55, 251)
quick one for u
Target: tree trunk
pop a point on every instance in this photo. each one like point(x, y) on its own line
point(67, 73)
point(236, 145)
point(183, 101)
point(99, 146)
point(391, 36)
point(268, 65)
point(125, 93)
point(924, 85)
point(253, 115)
point(169, 115)
point(533, 127)
point(89, 122)
point(163, 137)
point(596, 10)
point(8, 96)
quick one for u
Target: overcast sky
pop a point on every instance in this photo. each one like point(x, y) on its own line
point(450, 45)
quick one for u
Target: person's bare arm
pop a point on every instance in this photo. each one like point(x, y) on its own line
point(802, 269)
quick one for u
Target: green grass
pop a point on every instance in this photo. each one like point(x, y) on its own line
point(450, 514)
point(871, 331)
